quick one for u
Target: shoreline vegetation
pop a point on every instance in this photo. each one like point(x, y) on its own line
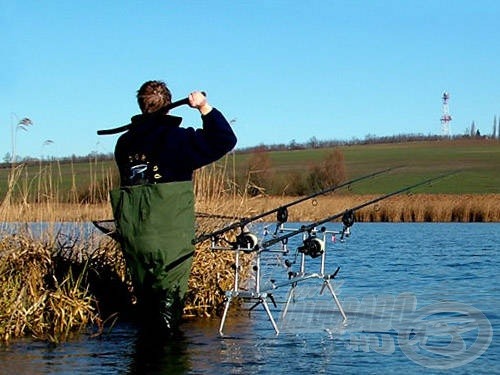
point(400, 208)
point(55, 287)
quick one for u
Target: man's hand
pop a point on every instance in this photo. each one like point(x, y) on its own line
point(199, 101)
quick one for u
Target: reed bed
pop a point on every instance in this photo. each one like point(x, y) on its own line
point(35, 300)
point(402, 208)
point(399, 208)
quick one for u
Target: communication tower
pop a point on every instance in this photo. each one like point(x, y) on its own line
point(446, 117)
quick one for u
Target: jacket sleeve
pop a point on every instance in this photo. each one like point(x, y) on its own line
point(213, 141)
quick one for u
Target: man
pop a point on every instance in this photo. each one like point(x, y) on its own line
point(154, 206)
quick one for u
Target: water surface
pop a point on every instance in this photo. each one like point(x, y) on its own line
point(420, 298)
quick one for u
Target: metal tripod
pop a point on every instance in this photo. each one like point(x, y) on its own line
point(259, 297)
point(315, 247)
point(296, 277)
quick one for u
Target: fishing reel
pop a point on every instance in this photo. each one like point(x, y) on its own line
point(312, 246)
point(282, 215)
point(347, 221)
point(246, 241)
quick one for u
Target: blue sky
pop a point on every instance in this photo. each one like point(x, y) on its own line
point(284, 70)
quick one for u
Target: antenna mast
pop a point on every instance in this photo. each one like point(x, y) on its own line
point(446, 117)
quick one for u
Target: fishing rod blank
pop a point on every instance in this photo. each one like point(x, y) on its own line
point(347, 213)
point(282, 211)
point(164, 109)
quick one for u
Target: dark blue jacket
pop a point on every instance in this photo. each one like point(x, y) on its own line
point(156, 149)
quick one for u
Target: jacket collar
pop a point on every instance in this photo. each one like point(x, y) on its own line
point(145, 121)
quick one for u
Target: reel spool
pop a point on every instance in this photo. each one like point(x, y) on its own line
point(282, 215)
point(348, 221)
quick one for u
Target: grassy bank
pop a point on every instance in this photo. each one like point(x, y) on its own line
point(477, 159)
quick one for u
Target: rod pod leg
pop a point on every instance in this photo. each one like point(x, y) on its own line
point(268, 311)
point(291, 294)
point(224, 315)
point(334, 295)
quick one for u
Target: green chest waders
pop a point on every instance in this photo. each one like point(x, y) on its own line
point(155, 224)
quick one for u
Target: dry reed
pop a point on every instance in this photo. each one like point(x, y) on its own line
point(53, 290)
point(35, 300)
point(400, 208)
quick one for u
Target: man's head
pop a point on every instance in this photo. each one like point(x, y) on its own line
point(153, 95)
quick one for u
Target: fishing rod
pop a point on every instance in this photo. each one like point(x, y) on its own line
point(282, 211)
point(347, 216)
point(108, 226)
point(162, 110)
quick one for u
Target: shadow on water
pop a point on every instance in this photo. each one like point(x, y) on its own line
point(195, 349)
point(160, 355)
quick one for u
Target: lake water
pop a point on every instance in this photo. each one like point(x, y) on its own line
point(419, 298)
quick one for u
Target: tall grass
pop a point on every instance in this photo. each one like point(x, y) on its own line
point(43, 193)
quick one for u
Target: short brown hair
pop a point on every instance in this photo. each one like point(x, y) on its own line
point(153, 95)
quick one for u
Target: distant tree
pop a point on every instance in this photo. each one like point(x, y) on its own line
point(259, 172)
point(473, 129)
point(7, 157)
point(313, 142)
point(330, 172)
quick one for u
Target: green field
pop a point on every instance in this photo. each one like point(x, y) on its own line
point(477, 160)
point(477, 163)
